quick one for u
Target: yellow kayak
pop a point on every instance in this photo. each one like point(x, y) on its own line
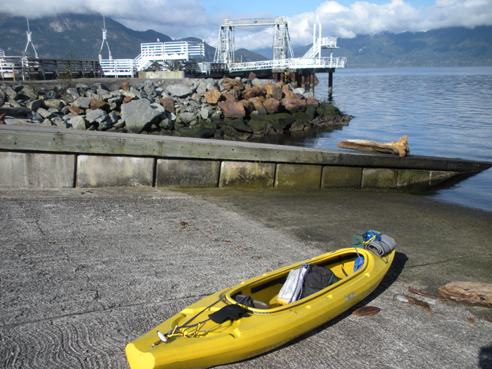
point(191, 339)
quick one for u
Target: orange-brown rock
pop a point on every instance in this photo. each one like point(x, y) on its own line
point(248, 105)
point(75, 110)
point(474, 293)
point(125, 86)
point(293, 104)
point(168, 104)
point(311, 101)
point(98, 104)
point(231, 83)
point(273, 90)
point(232, 95)
point(271, 105)
point(258, 104)
point(127, 99)
point(212, 97)
point(253, 91)
point(232, 109)
point(287, 92)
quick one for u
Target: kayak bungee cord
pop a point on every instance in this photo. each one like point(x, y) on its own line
point(181, 330)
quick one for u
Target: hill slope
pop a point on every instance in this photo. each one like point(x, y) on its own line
point(79, 37)
point(457, 46)
point(73, 36)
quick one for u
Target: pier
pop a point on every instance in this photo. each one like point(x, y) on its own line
point(189, 58)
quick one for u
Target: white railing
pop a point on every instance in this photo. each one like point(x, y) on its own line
point(118, 67)
point(11, 65)
point(151, 52)
point(292, 63)
point(319, 44)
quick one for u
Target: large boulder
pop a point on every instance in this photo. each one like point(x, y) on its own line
point(230, 83)
point(232, 109)
point(212, 96)
point(327, 110)
point(238, 124)
point(311, 101)
point(271, 105)
point(138, 115)
point(75, 110)
point(53, 103)
point(99, 104)
point(93, 115)
point(186, 117)
point(82, 102)
point(28, 92)
point(293, 104)
point(181, 89)
point(168, 104)
point(253, 91)
point(34, 105)
point(273, 90)
point(258, 104)
point(287, 92)
point(77, 122)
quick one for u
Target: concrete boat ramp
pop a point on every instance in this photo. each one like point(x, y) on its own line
point(84, 270)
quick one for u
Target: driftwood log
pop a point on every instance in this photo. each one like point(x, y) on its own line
point(474, 293)
point(399, 147)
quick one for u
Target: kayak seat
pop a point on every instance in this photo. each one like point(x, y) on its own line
point(260, 304)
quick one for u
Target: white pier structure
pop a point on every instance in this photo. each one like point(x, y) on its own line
point(282, 57)
point(7, 68)
point(158, 52)
point(150, 53)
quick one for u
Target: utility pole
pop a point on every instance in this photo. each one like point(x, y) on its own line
point(104, 42)
point(29, 41)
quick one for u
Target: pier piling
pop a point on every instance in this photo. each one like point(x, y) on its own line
point(330, 83)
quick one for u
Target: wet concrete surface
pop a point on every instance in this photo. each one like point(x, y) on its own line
point(82, 272)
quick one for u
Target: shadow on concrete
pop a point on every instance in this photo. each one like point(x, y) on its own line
point(485, 357)
point(391, 276)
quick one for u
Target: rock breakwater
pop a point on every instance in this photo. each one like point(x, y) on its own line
point(238, 109)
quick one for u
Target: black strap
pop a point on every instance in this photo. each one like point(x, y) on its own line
point(229, 312)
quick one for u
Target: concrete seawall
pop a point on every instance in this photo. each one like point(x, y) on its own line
point(53, 158)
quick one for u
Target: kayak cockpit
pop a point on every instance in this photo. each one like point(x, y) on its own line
point(264, 291)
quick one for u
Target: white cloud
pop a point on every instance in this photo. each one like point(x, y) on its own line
point(190, 18)
point(364, 17)
point(176, 18)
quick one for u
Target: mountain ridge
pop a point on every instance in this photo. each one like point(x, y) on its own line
point(72, 36)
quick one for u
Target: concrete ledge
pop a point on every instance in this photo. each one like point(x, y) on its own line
point(298, 176)
point(345, 177)
point(187, 173)
point(116, 144)
point(439, 176)
point(413, 177)
point(32, 170)
point(379, 178)
point(117, 159)
point(105, 171)
point(246, 174)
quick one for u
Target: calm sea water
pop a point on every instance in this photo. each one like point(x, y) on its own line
point(444, 111)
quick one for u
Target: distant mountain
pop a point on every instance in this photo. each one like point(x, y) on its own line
point(244, 55)
point(79, 37)
point(456, 46)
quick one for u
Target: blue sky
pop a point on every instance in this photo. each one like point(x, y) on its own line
point(283, 7)
point(202, 18)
